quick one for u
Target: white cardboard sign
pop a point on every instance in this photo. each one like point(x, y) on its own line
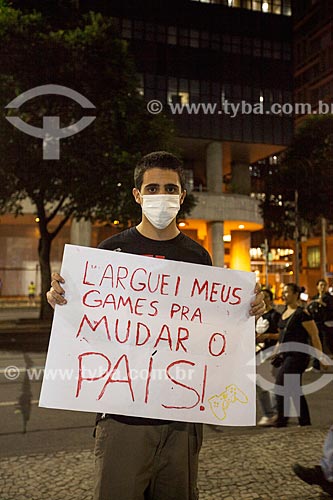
point(152, 338)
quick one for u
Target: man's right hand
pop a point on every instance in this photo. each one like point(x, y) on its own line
point(56, 293)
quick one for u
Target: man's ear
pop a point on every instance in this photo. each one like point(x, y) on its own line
point(137, 196)
point(182, 197)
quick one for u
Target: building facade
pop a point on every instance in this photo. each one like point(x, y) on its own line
point(217, 68)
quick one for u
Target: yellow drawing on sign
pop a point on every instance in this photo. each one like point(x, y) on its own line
point(221, 402)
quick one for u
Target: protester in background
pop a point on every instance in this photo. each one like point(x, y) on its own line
point(31, 293)
point(321, 475)
point(296, 325)
point(140, 458)
point(321, 310)
point(267, 336)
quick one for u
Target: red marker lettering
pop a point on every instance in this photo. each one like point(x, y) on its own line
point(110, 379)
point(85, 320)
point(165, 339)
point(85, 282)
point(106, 276)
point(237, 297)
point(81, 357)
point(121, 277)
point(218, 341)
point(95, 302)
point(181, 338)
point(173, 380)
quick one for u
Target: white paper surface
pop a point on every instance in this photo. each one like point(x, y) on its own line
point(152, 338)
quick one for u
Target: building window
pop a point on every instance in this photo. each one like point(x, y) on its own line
point(194, 38)
point(313, 257)
point(138, 31)
point(161, 34)
point(270, 6)
point(172, 35)
point(126, 28)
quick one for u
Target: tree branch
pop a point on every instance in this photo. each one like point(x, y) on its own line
point(55, 211)
point(61, 225)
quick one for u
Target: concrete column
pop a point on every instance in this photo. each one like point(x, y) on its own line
point(81, 232)
point(240, 250)
point(240, 177)
point(216, 242)
point(214, 167)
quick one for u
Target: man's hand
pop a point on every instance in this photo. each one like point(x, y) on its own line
point(56, 293)
point(258, 305)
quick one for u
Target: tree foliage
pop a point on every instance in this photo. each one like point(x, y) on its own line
point(93, 177)
point(306, 167)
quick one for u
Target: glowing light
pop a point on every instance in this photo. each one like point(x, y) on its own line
point(182, 224)
point(116, 222)
point(227, 238)
point(37, 219)
point(241, 226)
point(265, 7)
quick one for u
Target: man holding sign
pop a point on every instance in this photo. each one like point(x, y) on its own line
point(149, 458)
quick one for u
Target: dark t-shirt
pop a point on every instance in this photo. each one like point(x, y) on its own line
point(181, 248)
point(291, 328)
point(319, 312)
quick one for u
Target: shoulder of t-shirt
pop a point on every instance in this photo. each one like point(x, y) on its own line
point(303, 314)
point(199, 248)
point(113, 242)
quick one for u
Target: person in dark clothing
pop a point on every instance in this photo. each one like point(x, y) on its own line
point(297, 326)
point(267, 336)
point(321, 310)
point(140, 458)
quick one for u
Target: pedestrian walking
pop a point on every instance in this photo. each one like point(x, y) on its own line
point(31, 293)
point(295, 325)
point(140, 458)
point(267, 335)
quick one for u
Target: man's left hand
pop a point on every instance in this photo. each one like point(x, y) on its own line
point(258, 305)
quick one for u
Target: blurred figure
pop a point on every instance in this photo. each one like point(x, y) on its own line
point(321, 475)
point(267, 334)
point(295, 325)
point(321, 310)
point(32, 293)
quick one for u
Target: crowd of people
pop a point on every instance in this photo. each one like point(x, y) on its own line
point(300, 324)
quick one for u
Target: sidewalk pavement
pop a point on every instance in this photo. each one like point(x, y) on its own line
point(249, 466)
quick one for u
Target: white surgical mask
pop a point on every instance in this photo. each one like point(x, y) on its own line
point(160, 209)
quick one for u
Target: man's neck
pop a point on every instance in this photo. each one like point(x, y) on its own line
point(149, 231)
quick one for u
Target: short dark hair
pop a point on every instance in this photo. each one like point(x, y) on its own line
point(269, 292)
point(158, 159)
point(321, 281)
point(295, 288)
